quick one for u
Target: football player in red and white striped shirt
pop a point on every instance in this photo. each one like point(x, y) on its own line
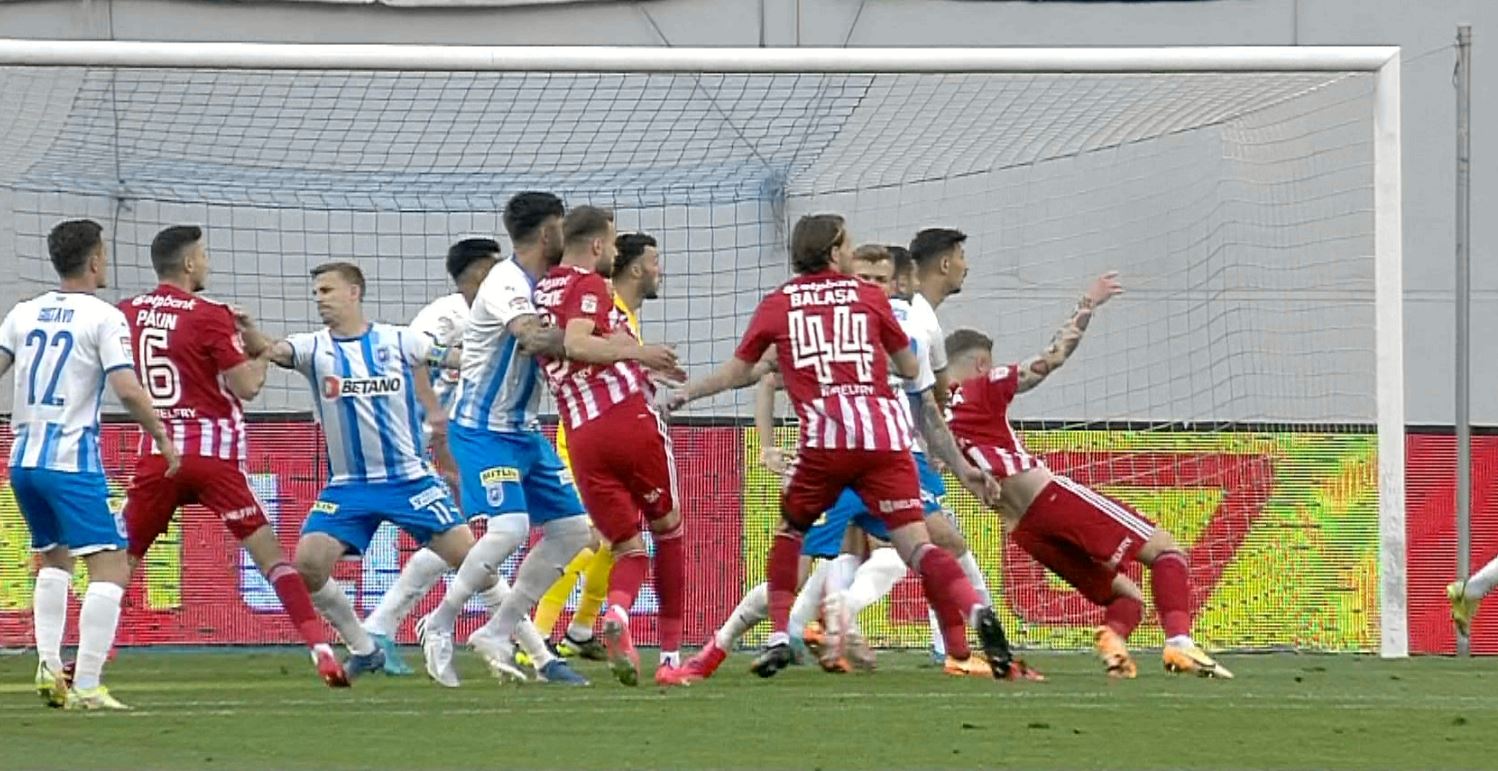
point(834, 338)
point(620, 451)
point(191, 356)
point(1083, 536)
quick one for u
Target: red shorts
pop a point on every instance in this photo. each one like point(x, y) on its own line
point(1082, 536)
point(886, 481)
point(218, 484)
point(624, 467)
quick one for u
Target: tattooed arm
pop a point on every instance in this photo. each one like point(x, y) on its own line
point(1034, 370)
point(941, 445)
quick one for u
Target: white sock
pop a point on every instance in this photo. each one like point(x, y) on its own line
point(754, 608)
point(1180, 641)
point(579, 633)
point(419, 575)
point(938, 643)
point(974, 575)
point(841, 571)
point(49, 614)
point(670, 658)
point(1478, 585)
point(97, 620)
point(479, 568)
point(874, 579)
point(808, 604)
point(334, 606)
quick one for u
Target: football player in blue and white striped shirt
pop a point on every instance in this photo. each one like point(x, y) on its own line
point(66, 345)
point(372, 393)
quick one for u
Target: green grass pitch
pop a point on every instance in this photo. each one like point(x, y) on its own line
point(265, 709)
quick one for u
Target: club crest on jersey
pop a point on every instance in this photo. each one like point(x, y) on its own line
point(382, 355)
point(354, 387)
point(589, 304)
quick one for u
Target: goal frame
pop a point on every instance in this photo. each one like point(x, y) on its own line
point(1382, 61)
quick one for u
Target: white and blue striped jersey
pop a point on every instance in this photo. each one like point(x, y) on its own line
point(366, 401)
point(443, 320)
point(500, 388)
point(918, 319)
point(64, 345)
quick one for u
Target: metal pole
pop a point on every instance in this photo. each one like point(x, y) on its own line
point(1463, 312)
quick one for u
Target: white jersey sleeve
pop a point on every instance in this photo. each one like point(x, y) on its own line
point(415, 346)
point(920, 342)
point(8, 334)
point(303, 347)
point(443, 319)
point(112, 339)
point(505, 296)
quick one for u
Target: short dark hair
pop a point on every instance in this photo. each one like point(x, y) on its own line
point(169, 248)
point(71, 244)
point(965, 340)
point(813, 239)
point(873, 253)
point(934, 243)
point(525, 212)
point(631, 247)
point(903, 262)
point(467, 252)
point(584, 223)
point(346, 270)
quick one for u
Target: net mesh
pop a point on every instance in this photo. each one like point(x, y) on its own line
point(1229, 394)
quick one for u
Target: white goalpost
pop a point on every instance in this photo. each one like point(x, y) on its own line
point(1248, 392)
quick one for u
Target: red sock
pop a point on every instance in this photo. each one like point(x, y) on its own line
point(781, 569)
point(671, 585)
point(1122, 615)
point(949, 592)
point(625, 579)
point(1171, 581)
point(297, 602)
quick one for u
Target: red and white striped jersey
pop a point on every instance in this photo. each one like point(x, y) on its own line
point(832, 335)
point(585, 392)
point(182, 344)
point(978, 414)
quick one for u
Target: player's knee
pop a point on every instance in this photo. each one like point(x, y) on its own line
point(666, 523)
point(511, 527)
point(1160, 542)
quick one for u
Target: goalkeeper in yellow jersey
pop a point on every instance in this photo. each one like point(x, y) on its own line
point(636, 278)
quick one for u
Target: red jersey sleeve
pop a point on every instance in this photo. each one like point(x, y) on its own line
point(761, 332)
point(586, 297)
point(891, 335)
point(221, 340)
point(1002, 384)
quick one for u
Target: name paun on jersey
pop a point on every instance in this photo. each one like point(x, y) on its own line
point(355, 387)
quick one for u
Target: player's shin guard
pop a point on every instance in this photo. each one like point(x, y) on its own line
point(420, 573)
point(97, 621)
point(671, 587)
point(754, 608)
point(49, 614)
point(781, 567)
point(1123, 615)
point(334, 606)
point(950, 594)
point(292, 592)
point(595, 591)
point(549, 608)
point(626, 577)
point(1170, 579)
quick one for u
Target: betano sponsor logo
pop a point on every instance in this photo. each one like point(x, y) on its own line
point(355, 387)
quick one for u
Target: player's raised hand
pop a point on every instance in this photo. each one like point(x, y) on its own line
point(1104, 288)
point(775, 459)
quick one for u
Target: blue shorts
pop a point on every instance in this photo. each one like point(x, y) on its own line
point(825, 538)
point(504, 472)
point(67, 508)
point(353, 512)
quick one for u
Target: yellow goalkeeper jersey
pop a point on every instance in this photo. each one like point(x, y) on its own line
point(634, 326)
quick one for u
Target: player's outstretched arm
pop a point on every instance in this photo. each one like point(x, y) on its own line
point(1034, 370)
point(536, 338)
point(941, 443)
point(582, 345)
point(281, 354)
point(730, 375)
point(138, 403)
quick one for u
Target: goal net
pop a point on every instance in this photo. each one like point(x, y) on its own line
point(1243, 392)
